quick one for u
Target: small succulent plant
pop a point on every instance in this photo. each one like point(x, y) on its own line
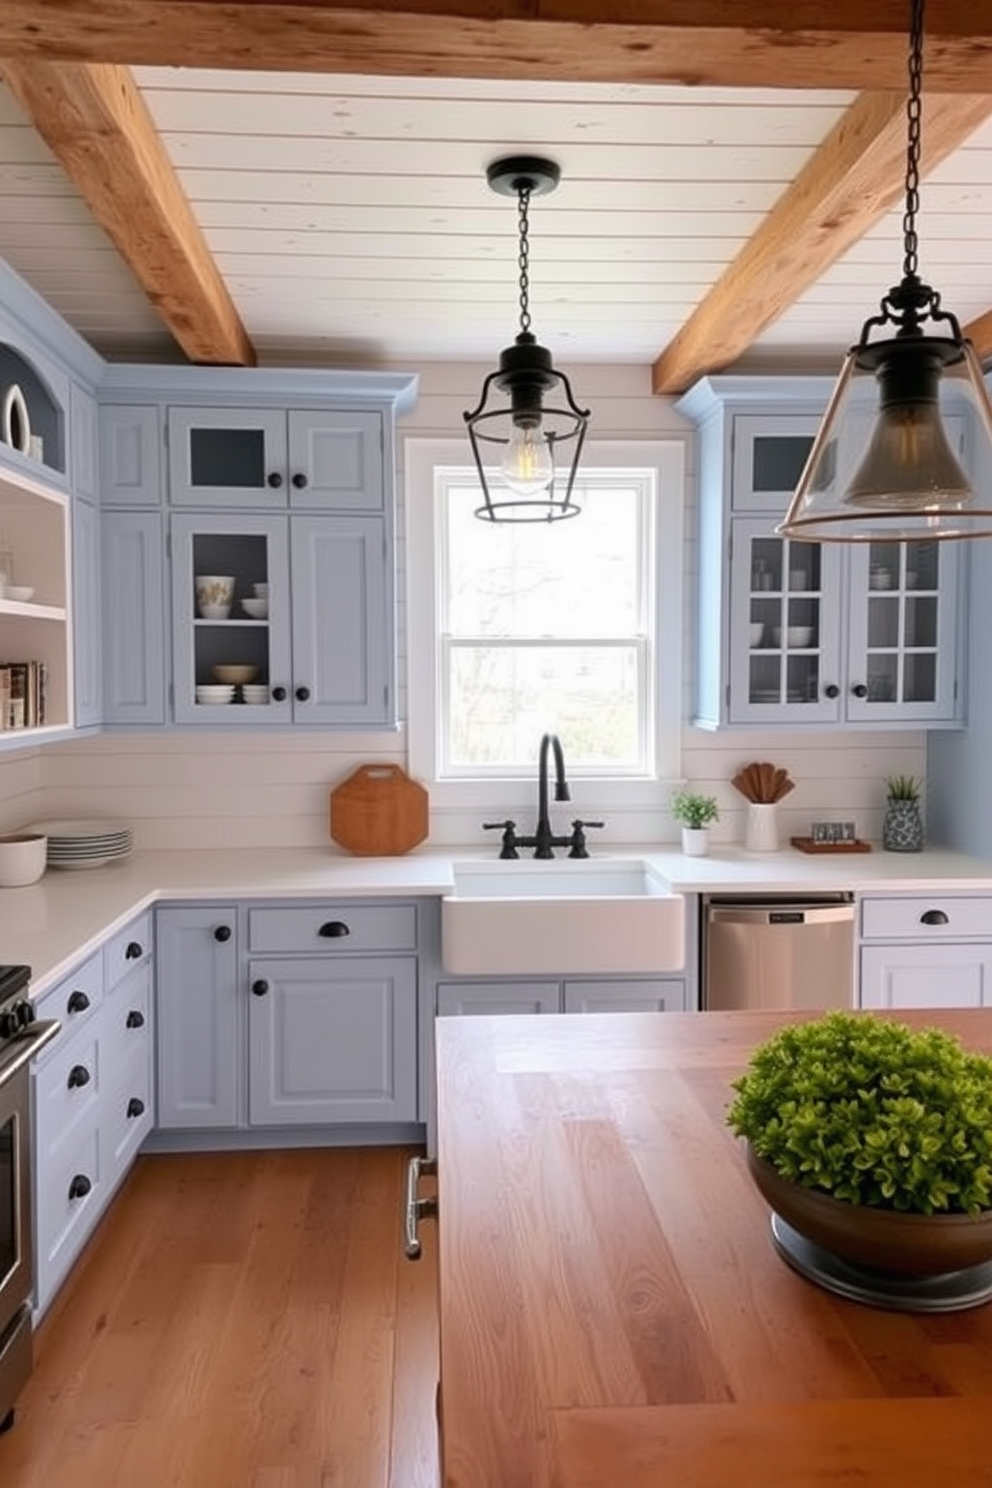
point(902, 788)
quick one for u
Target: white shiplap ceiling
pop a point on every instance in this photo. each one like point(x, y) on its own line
point(350, 219)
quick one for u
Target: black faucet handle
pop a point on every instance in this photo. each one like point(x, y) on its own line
point(510, 840)
point(577, 841)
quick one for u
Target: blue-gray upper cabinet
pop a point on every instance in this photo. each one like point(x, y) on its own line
point(87, 599)
point(809, 634)
point(134, 630)
point(83, 442)
point(131, 446)
point(272, 457)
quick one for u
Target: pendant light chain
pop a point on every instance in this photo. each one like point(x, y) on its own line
point(913, 118)
point(523, 202)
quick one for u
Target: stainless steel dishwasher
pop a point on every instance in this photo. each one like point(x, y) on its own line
point(781, 952)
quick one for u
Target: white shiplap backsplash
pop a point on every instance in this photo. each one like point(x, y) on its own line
point(179, 789)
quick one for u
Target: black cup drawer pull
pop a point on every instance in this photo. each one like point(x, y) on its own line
point(135, 1107)
point(134, 951)
point(333, 929)
point(79, 1075)
point(80, 1186)
point(78, 1002)
point(934, 917)
point(134, 1019)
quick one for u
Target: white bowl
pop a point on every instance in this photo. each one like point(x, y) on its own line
point(258, 609)
point(756, 631)
point(23, 856)
point(215, 612)
point(261, 591)
point(214, 694)
point(20, 593)
point(799, 635)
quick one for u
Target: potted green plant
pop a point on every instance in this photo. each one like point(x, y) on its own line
point(695, 813)
point(872, 1141)
point(902, 827)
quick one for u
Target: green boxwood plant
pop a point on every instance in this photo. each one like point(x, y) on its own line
point(694, 810)
point(872, 1112)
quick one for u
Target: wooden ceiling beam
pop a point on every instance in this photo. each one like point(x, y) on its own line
point(979, 333)
point(96, 123)
point(747, 43)
point(854, 177)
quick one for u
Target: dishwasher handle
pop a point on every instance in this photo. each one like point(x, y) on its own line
point(788, 915)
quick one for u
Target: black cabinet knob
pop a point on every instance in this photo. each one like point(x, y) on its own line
point(300, 480)
point(831, 690)
point(860, 690)
point(79, 1075)
point(303, 694)
point(134, 1019)
point(259, 988)
point(77, 1002)
point(273, 479)
point(333, 930)
point(222, 933)
point(135, 1107)
point(934, 917)
point(134, 951)
point(80, 1186)
point(279, 694)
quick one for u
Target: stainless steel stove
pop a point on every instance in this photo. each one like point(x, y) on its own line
point(21, 1037)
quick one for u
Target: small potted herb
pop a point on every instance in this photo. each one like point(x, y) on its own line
point(695, 813)
point(873, 1140)
point(902, 827)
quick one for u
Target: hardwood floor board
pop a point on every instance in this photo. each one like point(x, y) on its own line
point(240, 1320)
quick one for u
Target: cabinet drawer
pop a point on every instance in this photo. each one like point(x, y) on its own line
point(903, 919)
point(70, 1194)
point(127, 948)
point(130, 1111)
point(67, 1088)
point(73, 1002)
point(335, 928)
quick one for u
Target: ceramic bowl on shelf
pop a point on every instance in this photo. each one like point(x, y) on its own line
point(257, 694)
point(214, 595)
point(23, 856)
point(208, 694)
point(756, 631)
point(260, 591)
point(19, 593)
point(235, 676)
point(799, 635)
point(258, 609)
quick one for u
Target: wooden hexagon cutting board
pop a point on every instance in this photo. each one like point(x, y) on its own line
point(379, 812)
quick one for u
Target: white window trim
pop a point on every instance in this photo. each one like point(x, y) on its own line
point(421, 457)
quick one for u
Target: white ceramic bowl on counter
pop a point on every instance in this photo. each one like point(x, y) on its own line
point(23, 856)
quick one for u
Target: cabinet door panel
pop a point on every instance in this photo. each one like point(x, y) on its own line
point(489, 999)
point(332, 1041)
point(86, 614)
point(83, 443)
point(134, 687)
point(625, 997)
point(342, 621)
point(197, 1018)
point(920, 976)
point(768, 458)
point(130, 456)
point(336, 460)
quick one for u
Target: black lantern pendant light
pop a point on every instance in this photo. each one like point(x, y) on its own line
point(882, 467)
point(524, 432)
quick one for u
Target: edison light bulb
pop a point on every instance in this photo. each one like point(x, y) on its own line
point(527, 465)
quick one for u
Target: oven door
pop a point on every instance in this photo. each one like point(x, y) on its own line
point(16, 1271)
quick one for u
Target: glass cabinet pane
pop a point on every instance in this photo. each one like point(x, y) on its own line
point(784, 621)
point(227, 457)
point(902, 622)
point(778, 460)
point(230, 620)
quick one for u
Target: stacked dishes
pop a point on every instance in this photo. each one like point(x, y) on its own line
point(84, 844)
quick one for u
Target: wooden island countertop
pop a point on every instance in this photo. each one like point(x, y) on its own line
point(613, 1313)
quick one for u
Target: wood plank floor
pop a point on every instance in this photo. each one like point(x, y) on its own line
point(240, 1320)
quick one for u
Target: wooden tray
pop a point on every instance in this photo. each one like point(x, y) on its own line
point(807, 845)
point(379, 812)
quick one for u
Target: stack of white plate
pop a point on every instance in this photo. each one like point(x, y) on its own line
point(85, 844)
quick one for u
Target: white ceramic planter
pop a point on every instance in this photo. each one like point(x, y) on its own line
point(695, 841)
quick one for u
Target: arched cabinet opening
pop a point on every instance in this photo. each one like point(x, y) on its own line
point(32, 420)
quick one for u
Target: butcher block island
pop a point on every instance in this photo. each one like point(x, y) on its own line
point(613, 1312)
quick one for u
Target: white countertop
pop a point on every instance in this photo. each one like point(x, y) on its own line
point(52, 924)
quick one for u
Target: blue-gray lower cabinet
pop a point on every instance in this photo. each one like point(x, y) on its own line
point(455, 999)
point(199, 1049)
point(332, 1040)
point(134, 629)
point(658, 995)
point(549, 995)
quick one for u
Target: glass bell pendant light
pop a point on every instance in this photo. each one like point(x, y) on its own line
point(516, 441)
point(882, 467)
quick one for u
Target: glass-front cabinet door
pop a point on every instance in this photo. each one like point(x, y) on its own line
point(784, 636)
point(227, 457)
point(903, 631)
point(231, 620)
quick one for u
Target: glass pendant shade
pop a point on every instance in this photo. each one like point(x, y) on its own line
point(883, 465)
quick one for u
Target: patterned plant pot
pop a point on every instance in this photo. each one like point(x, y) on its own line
point(902, 829)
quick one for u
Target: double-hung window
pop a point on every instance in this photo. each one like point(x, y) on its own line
point(517, 629)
